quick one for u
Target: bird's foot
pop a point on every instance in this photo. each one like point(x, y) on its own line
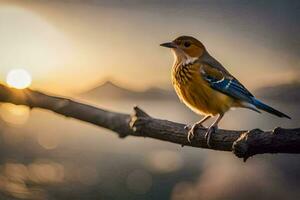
point(211, 129)
point(192, 128)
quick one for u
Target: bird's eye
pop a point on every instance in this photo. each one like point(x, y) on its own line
point(187, 44)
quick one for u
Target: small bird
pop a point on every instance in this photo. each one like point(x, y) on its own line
point(206, 87)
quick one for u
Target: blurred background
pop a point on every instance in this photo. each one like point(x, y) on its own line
point(106, 53)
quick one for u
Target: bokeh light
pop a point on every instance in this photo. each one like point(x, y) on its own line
point(14, 114)
point(18, 78)
point(14, 178)
point(164, 161)
point(48, 141)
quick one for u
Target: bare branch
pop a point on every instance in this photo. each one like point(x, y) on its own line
point(242, 143)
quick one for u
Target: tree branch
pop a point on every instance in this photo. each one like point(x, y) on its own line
point(243, 144)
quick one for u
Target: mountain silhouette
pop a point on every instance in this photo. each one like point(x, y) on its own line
point(110, 90)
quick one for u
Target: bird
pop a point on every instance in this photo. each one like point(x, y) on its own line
point(204, 85)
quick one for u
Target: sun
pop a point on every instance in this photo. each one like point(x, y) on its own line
point(18, 78)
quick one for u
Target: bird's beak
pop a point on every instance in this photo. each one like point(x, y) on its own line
point(171, 45)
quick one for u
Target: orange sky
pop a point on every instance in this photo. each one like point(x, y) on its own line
point(69, 47)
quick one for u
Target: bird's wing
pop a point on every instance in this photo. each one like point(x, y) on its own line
point(225, 83)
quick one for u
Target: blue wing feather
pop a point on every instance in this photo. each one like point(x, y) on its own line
point(231, 87)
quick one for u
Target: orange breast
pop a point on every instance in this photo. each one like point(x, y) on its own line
point(195, 92)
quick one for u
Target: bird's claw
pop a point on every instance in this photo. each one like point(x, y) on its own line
point(211, 130)
point(192, 129)
point(191, 135)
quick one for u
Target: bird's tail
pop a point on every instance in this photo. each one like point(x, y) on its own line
point(260, 105)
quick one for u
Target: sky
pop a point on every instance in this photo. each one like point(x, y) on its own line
point(70, 46)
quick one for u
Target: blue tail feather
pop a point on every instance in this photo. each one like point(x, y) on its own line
point(262, 106)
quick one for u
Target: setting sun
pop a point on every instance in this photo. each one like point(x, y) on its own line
point(18, 78)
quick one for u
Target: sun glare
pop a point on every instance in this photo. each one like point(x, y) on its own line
point(18, 78)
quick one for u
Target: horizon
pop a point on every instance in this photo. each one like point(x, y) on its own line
point(118, 84)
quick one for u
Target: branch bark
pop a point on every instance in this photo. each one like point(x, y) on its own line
point(243, 144)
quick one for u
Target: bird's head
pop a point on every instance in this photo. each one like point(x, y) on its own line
point(186, 47)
